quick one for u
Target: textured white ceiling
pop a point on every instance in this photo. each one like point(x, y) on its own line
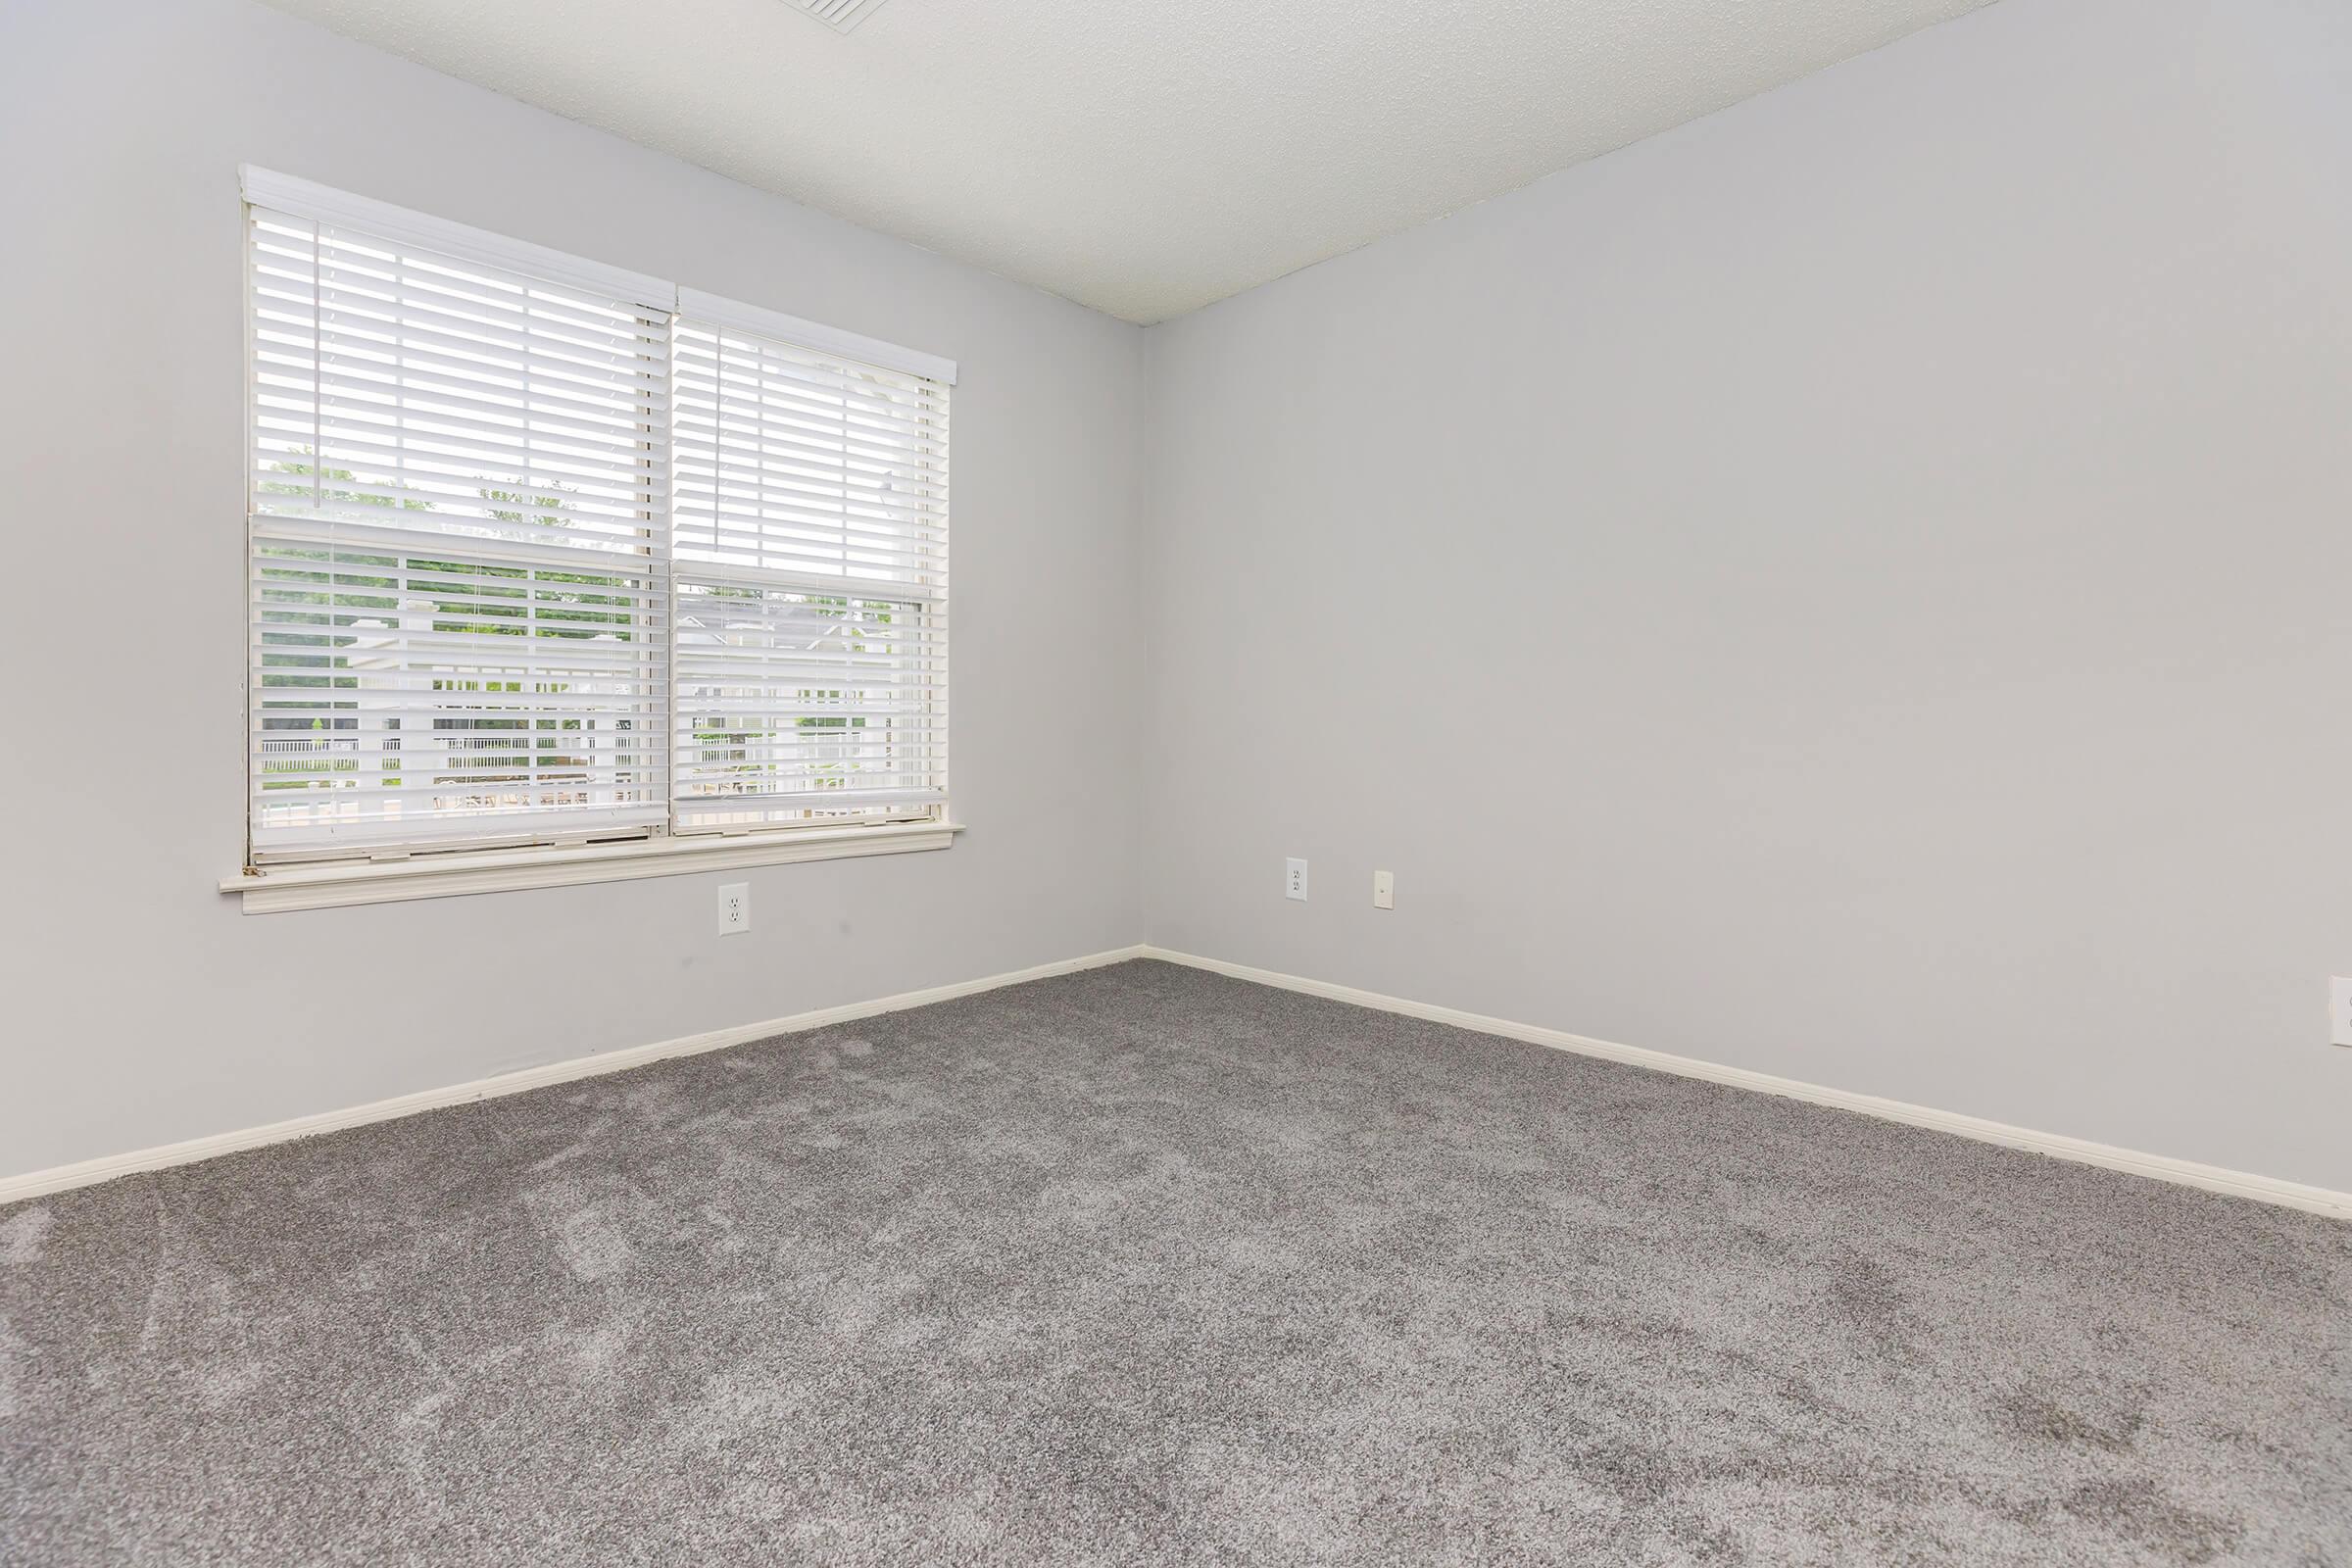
point(1145, 157)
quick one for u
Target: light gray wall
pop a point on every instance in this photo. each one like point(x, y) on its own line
point(1853, 588)
point(1858, 588)
point(141, 1007)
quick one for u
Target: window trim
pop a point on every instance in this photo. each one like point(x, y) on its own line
point(425, 871)
point(445, 873)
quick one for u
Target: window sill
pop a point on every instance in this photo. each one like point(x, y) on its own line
point(330, 886)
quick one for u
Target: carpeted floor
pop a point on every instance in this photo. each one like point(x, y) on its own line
point(1145, 1265)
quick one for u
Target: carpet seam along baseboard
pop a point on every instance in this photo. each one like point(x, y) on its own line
point(2081, 1150)
point(2160, 1167)
point(86, 1173)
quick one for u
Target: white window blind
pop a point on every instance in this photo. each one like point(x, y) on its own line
point(809, 518)
point(533, 559)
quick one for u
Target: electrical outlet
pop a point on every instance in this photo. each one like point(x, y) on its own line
point(2340, 1011)
point(1294, 880)
point(734, 908)
point(1384, 890)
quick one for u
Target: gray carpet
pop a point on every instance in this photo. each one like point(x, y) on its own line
point(1148, 1265)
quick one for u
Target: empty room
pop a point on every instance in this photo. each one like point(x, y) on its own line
point(919, 782)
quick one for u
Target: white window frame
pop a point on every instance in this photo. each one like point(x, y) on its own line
point(395, 872)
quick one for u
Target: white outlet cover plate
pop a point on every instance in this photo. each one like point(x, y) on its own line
point(2340, 1011)
point(734, 908)
point(1294, 880)
point(1384, 890)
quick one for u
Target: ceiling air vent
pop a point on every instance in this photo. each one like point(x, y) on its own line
point(840, 14)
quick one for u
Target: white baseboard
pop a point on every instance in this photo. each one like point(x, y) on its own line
point(34, 1184)
point(2212, 1178)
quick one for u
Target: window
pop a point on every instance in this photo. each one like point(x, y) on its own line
point(547, 553)
point(808, 546)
